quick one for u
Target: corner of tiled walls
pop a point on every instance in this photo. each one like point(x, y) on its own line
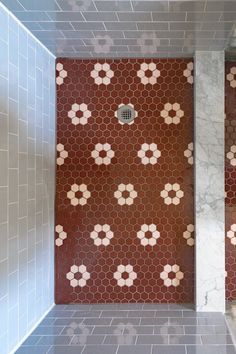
point(27, 181)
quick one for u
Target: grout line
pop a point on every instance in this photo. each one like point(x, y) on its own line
point(49, 349)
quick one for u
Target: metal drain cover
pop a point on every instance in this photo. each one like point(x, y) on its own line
point(126, 114)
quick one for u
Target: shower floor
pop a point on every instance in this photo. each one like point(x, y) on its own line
point(129, 329)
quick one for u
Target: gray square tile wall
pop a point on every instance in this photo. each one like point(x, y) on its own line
point(27, 183)
point(127, 28)
point(129, 329)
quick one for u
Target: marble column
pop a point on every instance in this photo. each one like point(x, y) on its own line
point(209, 181)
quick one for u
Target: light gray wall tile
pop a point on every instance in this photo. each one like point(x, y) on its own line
point(89, 26)
point(3, 254)
point(111, 34)
point(134, 16)
point(4, 168)
point(228, 16)
point(159, 34)
point(150, 5)
point(54, 25)
point(78, 34)
point(120, 26)
point(42, 5)
point(203, 16)
point(13, 117)
point(3, 277)
point(77, 6)
point(168, 16)
point(4, 95)
point(23, 158)
point(100, 16)
point(217, 26)
point(199, 34)
point(113, 5)
point(185, 26)
point(48, 34)
point(12, 268)
point(186, 6)
point(3, 131)
point(13, 151)
point(23, 195)
point(29, 16)
point(227, 6)
point(64, 16)
point(13, 220)
point(33, 65)
point(13, 82)
point(154, 26)
point(3, 59)
point(13, 185)
point(32, 26)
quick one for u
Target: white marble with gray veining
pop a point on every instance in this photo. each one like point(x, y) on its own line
point(209, 181)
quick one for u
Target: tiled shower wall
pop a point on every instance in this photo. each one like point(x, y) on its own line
point(27, 144)
point(124, 201)
point(230, 177)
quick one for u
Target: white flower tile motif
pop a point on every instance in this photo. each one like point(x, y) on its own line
point(102, 154)
point(78, 333)
point(189, 153)
point(125, 333)
point(125, 275)
point(148, 235)
point(74, 282)
point(188, 235)
point(172, 113)
point(62, 235)
point(174, 329)
point(148, 43)
point(102, 74)
point(148, 73)
point(149, 154)
point(79, 194)
point(172, 194)
point(101, 235)
point(81, 5)
point(102, 44)
point(231, 234)
point(125, 194)
point(231, 77)
point(132, 106)
point(188, 73)
point(63, 154)
point(62, 74)
point(79, 114)
point(231, 155)
point(177, 275)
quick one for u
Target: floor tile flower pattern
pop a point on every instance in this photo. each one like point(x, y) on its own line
point(230, 178)
point(124, 191)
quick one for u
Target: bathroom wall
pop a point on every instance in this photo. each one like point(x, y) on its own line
point(124, 199)
point(27, 138)
point(230, 175)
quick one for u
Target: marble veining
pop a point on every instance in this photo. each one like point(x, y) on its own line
point(209, 181)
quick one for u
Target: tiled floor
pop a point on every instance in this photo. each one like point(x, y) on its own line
point(129, 329)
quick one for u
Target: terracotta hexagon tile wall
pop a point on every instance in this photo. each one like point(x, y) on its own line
point(230, 177)
point(119, 228)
